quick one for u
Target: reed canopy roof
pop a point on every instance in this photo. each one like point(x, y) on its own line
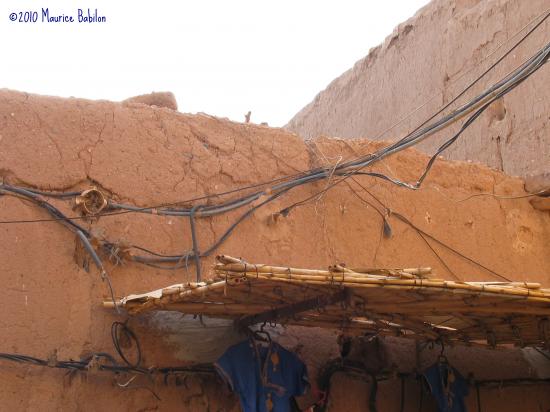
point(411, 303)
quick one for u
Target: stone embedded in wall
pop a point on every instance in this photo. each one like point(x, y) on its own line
point(158, 99)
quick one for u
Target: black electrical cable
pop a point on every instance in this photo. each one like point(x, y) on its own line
point(60, 195)
point(482, 75)
point(413, 137)
point(58, 215)
point(423, 235)
point(462, 129)
point(346, 170)
point(462, 255)
point(180, 258)
point(84, 365)
point(323, 173)
point(213, 247)
point(491, 68)
point(323, 170)
point(207, 368)
point(104, 275)
point(83, 234)
point(153, 253)
point(468, 87)
point(544, 15)
point(482, 101)
point(119, 329)
point(196, 252)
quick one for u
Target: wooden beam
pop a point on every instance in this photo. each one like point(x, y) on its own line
point(287, 311)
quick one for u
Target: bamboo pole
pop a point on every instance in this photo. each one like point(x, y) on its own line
point(526, 289)
point(390, 301)
point(445, 286)
point(290, 272)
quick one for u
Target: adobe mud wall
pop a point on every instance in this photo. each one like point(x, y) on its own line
point(148, 156)
point(425, 63)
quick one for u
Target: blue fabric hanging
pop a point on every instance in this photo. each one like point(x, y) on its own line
point(265, 378)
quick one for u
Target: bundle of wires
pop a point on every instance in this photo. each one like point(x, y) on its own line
point(269, 191)
point(104, 361)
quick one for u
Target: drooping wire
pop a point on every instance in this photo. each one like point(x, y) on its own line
point(481, 102)
point(118, 329)
point(511, 81)
point(104, 275)
point(491, 94)
point(121, 329)
point(545, 15)
point(425, 236)
point(346, 169)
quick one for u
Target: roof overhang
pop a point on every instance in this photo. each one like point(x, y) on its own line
point(400, 302)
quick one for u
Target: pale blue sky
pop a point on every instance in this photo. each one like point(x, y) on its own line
point(219, 57)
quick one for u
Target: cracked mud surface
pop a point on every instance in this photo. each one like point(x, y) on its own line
point(145, 156)
point(427, 61)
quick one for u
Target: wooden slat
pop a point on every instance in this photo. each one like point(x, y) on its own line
point(407, 302)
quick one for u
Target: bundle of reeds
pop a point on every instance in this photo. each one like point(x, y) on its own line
point(409, 302)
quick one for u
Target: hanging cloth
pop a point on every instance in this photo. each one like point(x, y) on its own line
point(265, 378)
point(448, 387)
